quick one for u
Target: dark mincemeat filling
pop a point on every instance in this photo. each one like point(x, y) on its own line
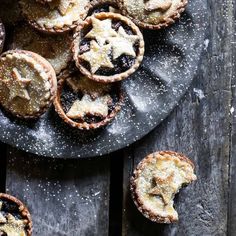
point(98, 9)
point(12, 208)
point(121, 64)
point(68, 97)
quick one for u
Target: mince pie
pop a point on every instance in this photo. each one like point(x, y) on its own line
point(156, 180)
point(27, 83)
point(153, 14)
point(56, 16)
point(86, 104)
point(108, 47)
point(54, 48)
point(15, 219)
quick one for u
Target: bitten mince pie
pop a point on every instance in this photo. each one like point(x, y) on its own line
point(54, 48)
point(156, 180)
point(27, 83)
point(15, 219)
point(2, 35)
point(86, 104)
point(56, 16)
point(153, 14)
point(108, 47)
point(97, 6)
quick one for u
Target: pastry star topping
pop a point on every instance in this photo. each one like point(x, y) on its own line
point(64, 6)
point(2, 219)
point(61, 5)
point(17, 86)
point(123, 43)
point(164, 188)
point(93, 88)
point(88, 106)
point(12, 226)
point(162, 5)
point(101, 30)
point(97, 56)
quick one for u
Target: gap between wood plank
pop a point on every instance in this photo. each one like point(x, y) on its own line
point(116, 193)
point(231, 180)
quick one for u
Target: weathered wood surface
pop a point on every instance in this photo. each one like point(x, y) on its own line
point(72, 197)
point(200, 127)
point(232, 164)
point(64, 197)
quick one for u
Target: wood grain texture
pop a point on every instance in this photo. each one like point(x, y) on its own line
point(64, 197)
point(72, 197)
point(199, 128)
point(232, 165)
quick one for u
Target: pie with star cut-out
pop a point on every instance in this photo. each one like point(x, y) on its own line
point(56, 16)
point(54, 48)
point(108, 47)
point(27, 83)
point(86, 104)
point(156, 180)
point(15, 218)
point(152, 14)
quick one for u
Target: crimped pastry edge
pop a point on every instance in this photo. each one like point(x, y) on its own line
point(133, 188)
point(54, 30)
point(65, 36)
point(96, 3)
point(25, 212)
point(84, 125)
point(52, 79)
point(116, 77)
point(167, 22)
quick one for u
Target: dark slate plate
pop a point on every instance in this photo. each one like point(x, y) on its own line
point(171, 60)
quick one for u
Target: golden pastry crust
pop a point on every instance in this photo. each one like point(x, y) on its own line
point(50, 20)
point(22, 210)
point(2, 35)
point(150, 199)
point(93, 93)
point(140, 18)
point(41, 88)
point(54, 48)
point(97, 3)
point(76, 47)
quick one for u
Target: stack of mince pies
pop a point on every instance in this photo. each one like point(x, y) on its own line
point(74, 54)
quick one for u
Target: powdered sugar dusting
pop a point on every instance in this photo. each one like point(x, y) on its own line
point(170, 62)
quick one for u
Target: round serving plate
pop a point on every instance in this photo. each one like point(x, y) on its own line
point(170, 63)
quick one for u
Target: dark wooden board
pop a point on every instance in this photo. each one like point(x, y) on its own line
point(200, 128)
point(64, 197)
point(203, 127)
point(232, 164)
